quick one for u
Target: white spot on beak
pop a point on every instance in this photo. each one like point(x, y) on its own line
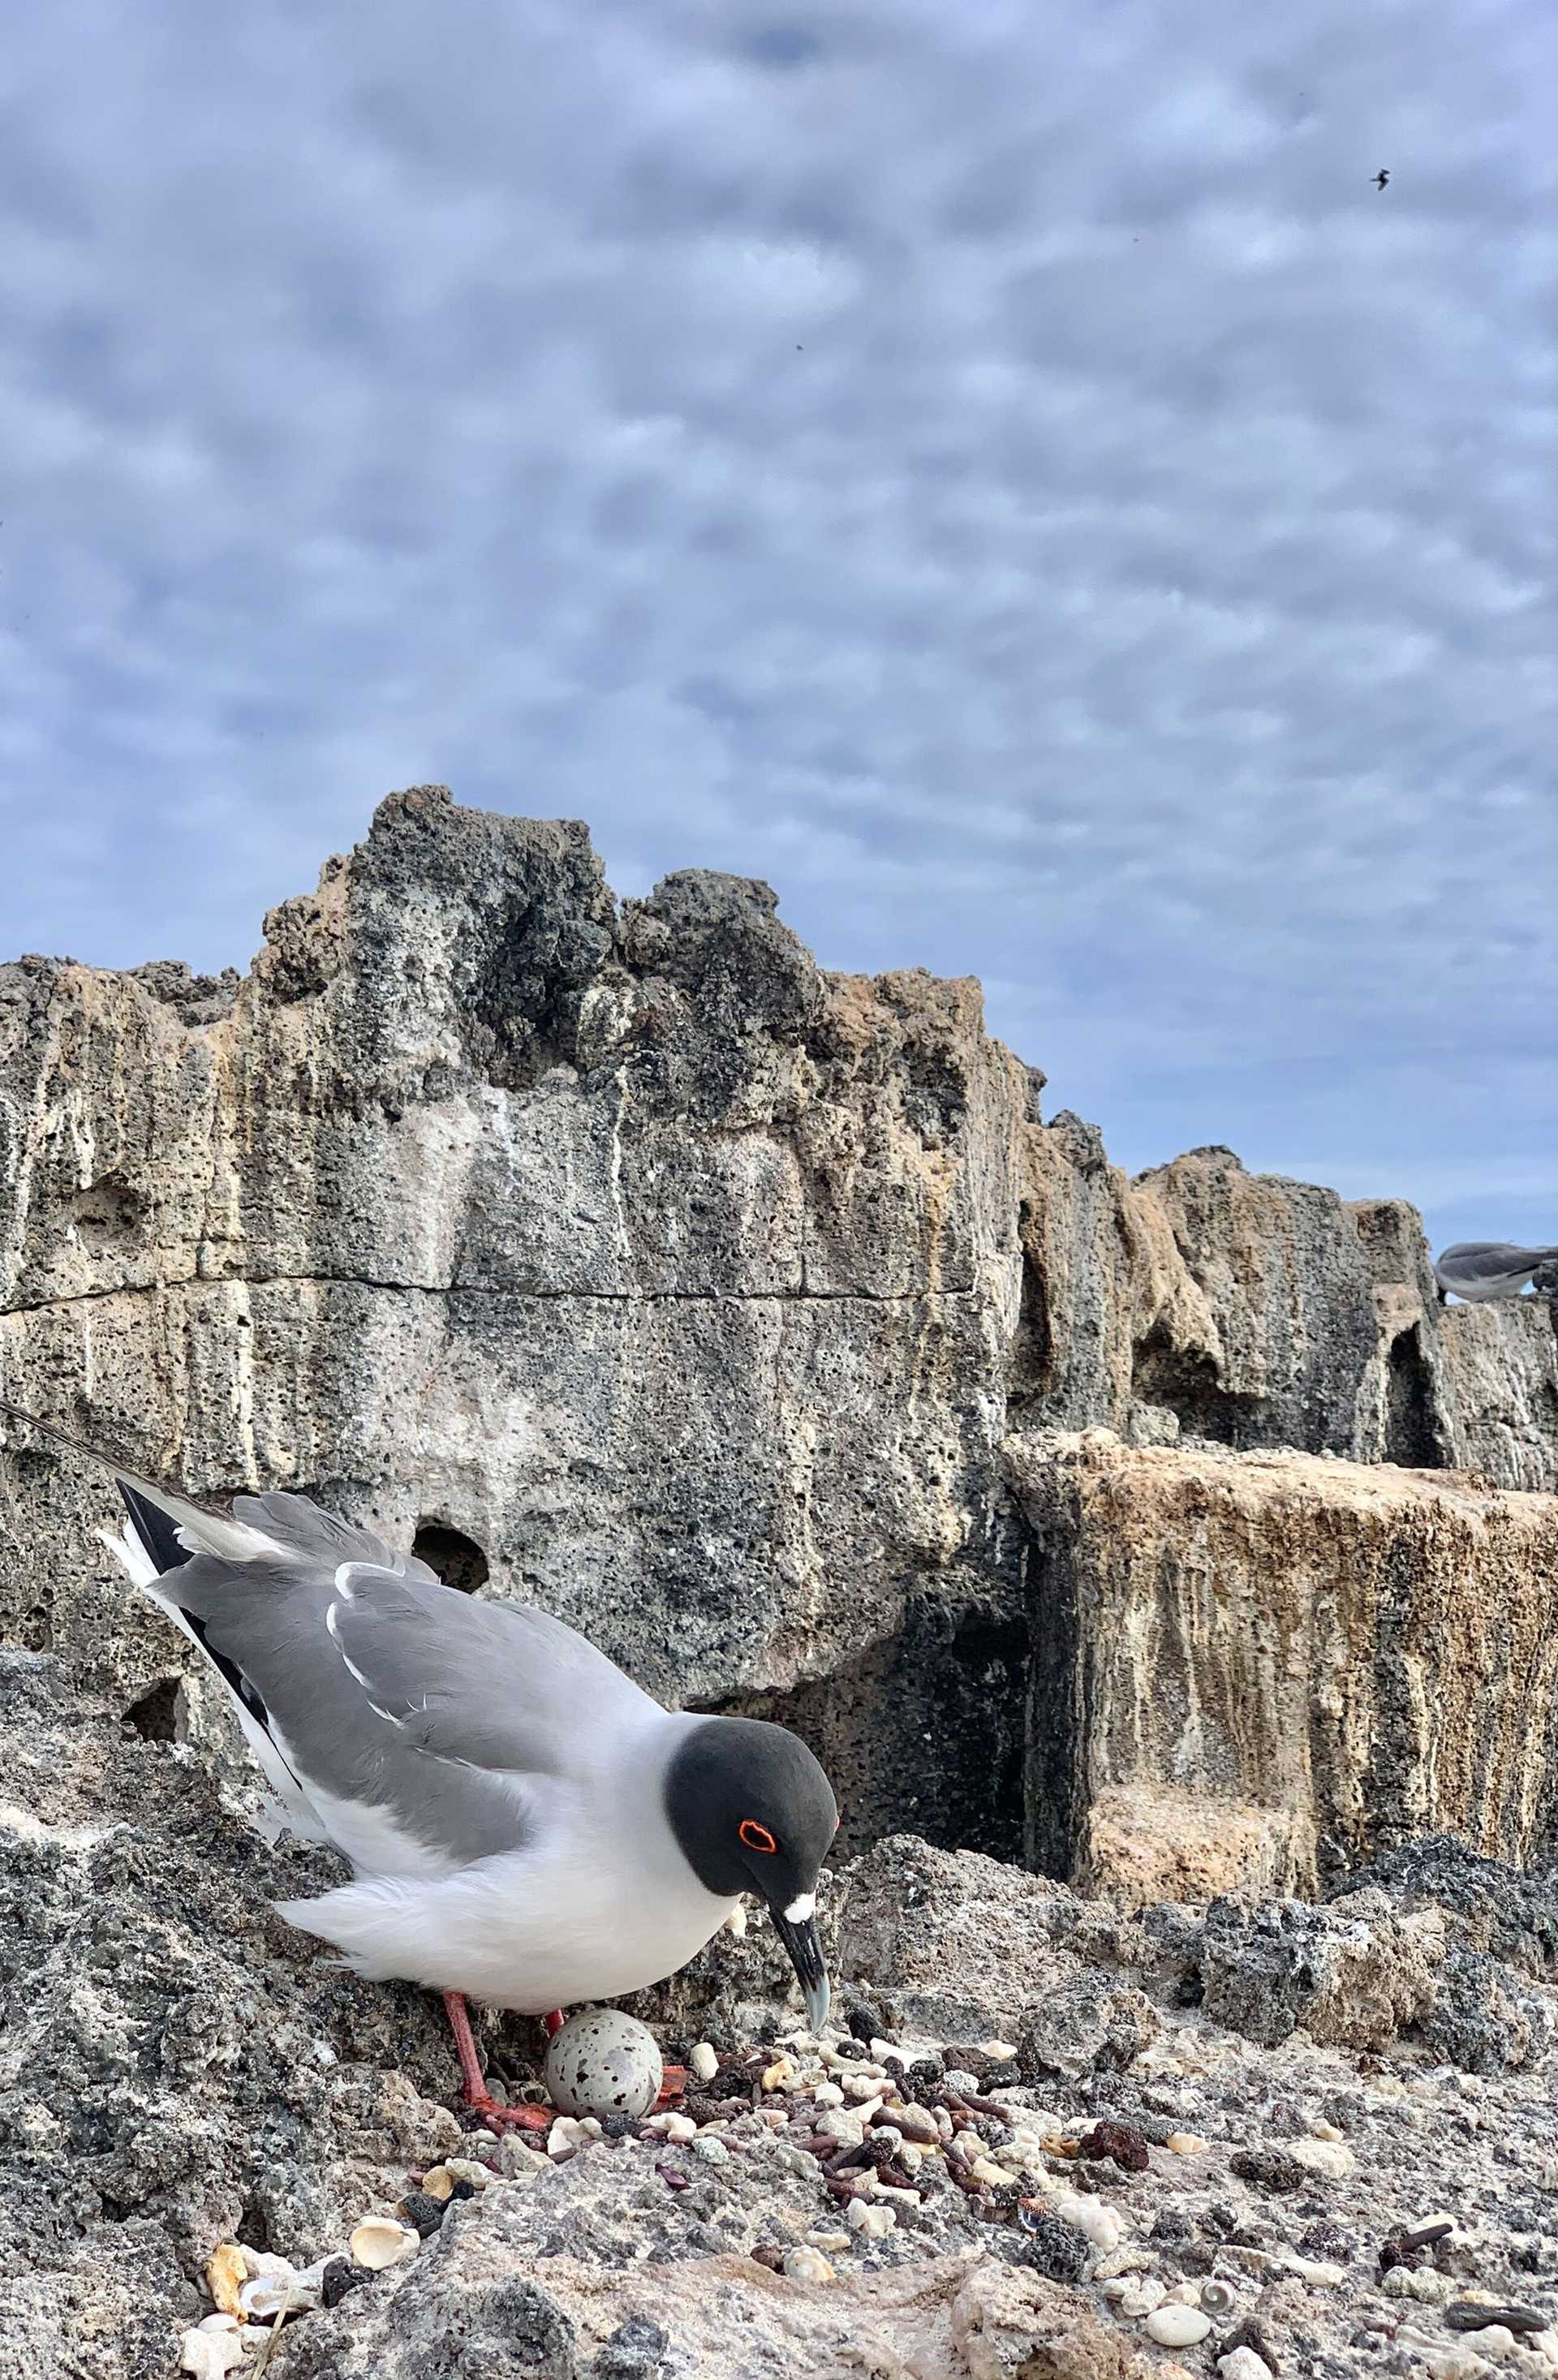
point(802, 1907)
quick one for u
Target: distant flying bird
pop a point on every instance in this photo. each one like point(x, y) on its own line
point(1480, 1269)
point(1381, 177)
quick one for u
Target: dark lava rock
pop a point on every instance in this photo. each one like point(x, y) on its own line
point(1120, 2142)
point(423, 2212)
point(1269, 2168)
point(1481, 2019)
point(1464, 2314)
point(636, 2350)
point(1055, 2249)
point(1494, 1908)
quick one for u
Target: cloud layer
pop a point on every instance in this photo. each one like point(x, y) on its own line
point(1004, 474)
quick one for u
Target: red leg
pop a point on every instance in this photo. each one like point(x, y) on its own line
point(553, 2020)
point(477, 2095)
point(673, 2083)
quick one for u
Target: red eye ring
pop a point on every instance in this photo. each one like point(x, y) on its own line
point(756, 1837)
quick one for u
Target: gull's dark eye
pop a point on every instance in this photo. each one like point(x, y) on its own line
point(756, 1837)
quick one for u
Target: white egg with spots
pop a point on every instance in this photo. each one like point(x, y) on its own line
point(602, 2063)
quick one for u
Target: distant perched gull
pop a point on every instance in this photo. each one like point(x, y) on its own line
point(527, 1825)
point(1480, 1269)
point(1381, 177)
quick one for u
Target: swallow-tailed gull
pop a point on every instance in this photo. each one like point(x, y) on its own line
point(1480, 1269)
point(527, 1825)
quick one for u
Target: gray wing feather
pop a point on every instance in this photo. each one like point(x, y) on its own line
point(390, 1690)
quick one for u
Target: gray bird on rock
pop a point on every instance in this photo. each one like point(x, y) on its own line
point(527, 1825)
point(1479, 1270)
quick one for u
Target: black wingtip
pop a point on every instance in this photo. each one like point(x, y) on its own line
point(157, 1530)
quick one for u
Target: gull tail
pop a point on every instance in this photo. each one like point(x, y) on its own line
point(171, 1527)
point(165, 1531)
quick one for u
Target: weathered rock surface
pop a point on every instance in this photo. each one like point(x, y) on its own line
point(631, 1262)
point(180, 2069)
point(1272, 1667)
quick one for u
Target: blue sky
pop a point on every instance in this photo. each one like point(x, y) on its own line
point(1003, 473)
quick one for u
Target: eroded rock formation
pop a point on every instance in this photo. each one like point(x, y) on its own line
point(627, 1260)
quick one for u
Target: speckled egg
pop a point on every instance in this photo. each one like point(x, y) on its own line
point(602, 2063)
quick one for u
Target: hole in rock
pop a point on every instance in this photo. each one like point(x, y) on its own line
point(1188, 1384)
point(922, 1733)
point(253, 2232)
point(1030, 1367)
point(1412, 1431)
point(155, 1715)
point(459, 1559)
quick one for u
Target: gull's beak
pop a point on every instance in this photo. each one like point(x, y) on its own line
point(796, 1928)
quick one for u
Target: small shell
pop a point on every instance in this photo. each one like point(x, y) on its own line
point(1218, 2298)
point(602, 2063)
point(225, 2273)
point(264, 2298)
point(380, 2241)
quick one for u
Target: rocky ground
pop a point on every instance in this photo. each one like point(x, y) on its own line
point(1047, 2138)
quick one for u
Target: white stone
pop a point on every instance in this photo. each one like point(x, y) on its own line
point(828, 2095)
point(1178, 2326)
point(1333, 2158)
point(843, 2125)
point(668, 2127)
point(1096, 2220)
point(872, 2218)
point(1319, 2275)
point(703, 2061)
point(806, 2264)
point(917, 2123)
point(210, 2353)
point(1243, 2364)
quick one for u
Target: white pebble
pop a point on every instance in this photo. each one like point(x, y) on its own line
point(712, 2149)
point(671, 2126)
point(843, 2125)
point(1140, 2297)
point(806, 2264)
point(703, 2061)
point(1095, 2220)
point(872, 2217)
point(783, 2075)
point(831, 2242)
point(1494, 2340)
point(828, 2095)
point(569, 2135)
point(1177, 2325)
point(917, 2123)
point(1243, 2364)
point(1319, 2275)
point(1324, 2129)
point(210, 2353)
point(1122, 2261)
point(1333, 2158)
point(1428, 2286)
point(1185, 2144)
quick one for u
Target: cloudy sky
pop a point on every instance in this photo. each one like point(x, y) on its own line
point(1000, 472)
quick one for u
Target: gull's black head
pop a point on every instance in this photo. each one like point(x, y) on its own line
point(753, 1813)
